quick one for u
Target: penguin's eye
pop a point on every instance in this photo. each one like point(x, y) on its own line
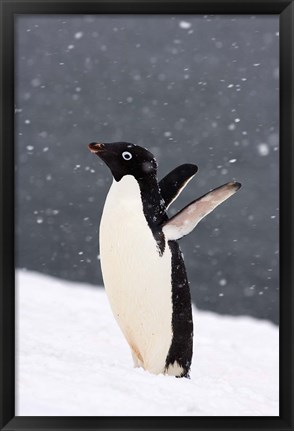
point(126, 155)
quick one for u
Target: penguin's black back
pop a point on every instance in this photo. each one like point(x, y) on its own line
point(181, 348)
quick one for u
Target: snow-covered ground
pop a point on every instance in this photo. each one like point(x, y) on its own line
point(73, 360)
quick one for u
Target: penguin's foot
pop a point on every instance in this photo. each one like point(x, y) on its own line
point(185, 374)
point(138, 363)
point(175, 369)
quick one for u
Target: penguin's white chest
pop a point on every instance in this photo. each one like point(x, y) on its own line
point(136, 278)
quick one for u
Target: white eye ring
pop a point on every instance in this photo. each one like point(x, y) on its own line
point(126, 155)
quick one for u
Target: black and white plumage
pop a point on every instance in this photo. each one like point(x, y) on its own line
point(142, 266)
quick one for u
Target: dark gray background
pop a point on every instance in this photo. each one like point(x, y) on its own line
point(199, 89)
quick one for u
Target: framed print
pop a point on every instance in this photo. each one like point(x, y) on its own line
point(124, 125)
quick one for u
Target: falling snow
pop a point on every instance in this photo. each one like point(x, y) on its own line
point(232, 126)
point(79, 35)
point(185, 25)
point(191, 89)
point(263, 149)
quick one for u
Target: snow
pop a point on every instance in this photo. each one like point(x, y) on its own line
point(231, 126)
point(35, 82)
point(263, 149)
point(73, 360)
point(79, 35)
point(185, 25)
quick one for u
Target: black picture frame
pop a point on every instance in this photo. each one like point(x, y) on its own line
point(11, 8)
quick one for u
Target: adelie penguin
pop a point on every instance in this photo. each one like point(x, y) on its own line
point(142, 266)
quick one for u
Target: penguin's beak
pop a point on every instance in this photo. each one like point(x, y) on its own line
point(96, 148)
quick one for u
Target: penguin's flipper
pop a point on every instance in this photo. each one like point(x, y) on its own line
point(185, 221)
point(175, 181)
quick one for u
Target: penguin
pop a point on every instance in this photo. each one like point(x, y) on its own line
point(142, 265)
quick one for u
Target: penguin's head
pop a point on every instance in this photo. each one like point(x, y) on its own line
point(124, 158)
